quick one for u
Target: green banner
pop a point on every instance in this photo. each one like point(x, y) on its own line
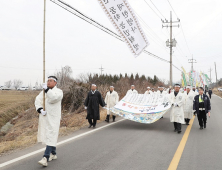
point(184, 79)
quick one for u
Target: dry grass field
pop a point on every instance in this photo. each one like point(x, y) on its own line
point(24, 131)
point(219, 93)
point(13, 102)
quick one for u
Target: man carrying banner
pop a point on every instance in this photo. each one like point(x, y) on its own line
point(202, 106)
point(132, 90)
point(188, 104)
point(176, 112)
point(148, 91)
point(92, 102)
point(112, 98)
point(49, 119)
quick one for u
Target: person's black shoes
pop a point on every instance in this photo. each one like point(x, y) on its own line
point(94, 126)
point(107, 118)
point(114, 117)
point(90, 126)
point(179, 131)
point(201, 128)
point(205, 125)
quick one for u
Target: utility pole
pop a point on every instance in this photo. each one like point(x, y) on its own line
point(102, 69)
point(192, 61)
point(215, 72)
point(172, 42)
point(210, 74)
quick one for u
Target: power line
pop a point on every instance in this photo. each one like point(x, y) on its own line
point(95, 23)
point(185, 38)
point(181, 26)
point(172, 8)
point(152, 9)
point(147, 27)
point(157, 9)
point(87, 19)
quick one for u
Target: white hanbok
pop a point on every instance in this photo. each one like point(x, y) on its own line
point(132, 92)
point(111, 100)
point(188, 104)
point(176, 111)
point(148, 92)
point(48, 128)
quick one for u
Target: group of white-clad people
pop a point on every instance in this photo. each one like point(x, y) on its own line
point(183, 107)
point(185, 104)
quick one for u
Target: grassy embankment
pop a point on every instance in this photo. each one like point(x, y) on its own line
point(24, 131)
point(219, 93)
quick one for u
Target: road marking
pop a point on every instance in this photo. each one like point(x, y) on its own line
point(60, 143)
point(176, 159)
point(218, 96)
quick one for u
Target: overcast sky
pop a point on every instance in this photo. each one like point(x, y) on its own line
point(71, 41)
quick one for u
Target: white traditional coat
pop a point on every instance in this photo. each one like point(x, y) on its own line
point(148, 92)
point(188, 104)
point(132, 92)
point(164, 92)
point(176, 111)
point(111, 100)
point(48, 129)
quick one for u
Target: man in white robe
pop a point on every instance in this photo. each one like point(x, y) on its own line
point(176, 111)
point(111, 99)
point(188, 104)
point(132, 90)
point(195, 91)
point(148, 91)
point(49, 118)
point(161, 90)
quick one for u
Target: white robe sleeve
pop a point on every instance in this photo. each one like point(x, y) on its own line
point(54, 96)
point(39, 101)
point(117, 98)
point(106, 98)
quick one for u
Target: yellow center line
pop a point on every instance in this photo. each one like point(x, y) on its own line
point(176, 159)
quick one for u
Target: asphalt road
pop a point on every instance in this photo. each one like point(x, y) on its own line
point(127, 145)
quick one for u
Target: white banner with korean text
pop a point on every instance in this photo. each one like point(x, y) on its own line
point(142, 108)
point(124, 20)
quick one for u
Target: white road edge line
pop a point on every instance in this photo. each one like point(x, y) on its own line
point(218, 96)
point(60, 143)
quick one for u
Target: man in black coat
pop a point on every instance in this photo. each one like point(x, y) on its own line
point(92, 102)
point(210, 93)
point(202, 106)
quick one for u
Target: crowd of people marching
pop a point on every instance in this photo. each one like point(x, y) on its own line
point(185, 102)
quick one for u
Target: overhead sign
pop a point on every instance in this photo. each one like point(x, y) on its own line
point(142, 108)
point(124, 20)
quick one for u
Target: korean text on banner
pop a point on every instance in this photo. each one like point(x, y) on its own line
point(122, 17)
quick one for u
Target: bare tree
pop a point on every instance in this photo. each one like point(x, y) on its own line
point(64, 77)
point(17, 83)
point(8, 84)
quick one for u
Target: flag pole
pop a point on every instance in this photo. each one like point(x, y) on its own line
point(44, 54)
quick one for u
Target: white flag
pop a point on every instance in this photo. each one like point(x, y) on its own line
point(122, 17)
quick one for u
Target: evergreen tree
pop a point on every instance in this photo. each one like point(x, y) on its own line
point(137, 77)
